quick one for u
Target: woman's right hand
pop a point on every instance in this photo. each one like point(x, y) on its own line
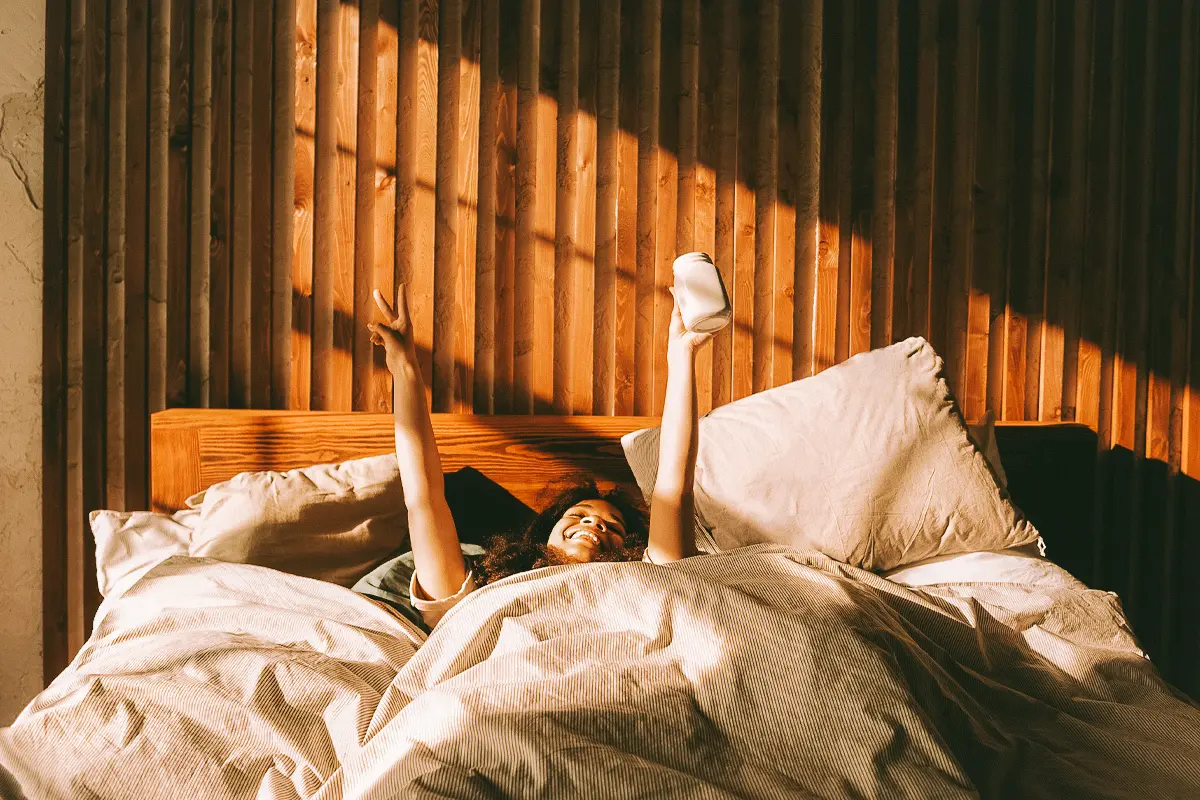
point(395, 334)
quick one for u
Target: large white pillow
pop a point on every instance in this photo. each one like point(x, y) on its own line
point(130, 542)
point(868, 462)
point(333, 522)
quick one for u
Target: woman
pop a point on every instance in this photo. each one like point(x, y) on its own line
point(584, 525)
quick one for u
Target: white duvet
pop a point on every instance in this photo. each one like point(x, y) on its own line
point(758, 673)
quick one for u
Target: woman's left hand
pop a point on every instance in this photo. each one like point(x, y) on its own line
point(682, 343)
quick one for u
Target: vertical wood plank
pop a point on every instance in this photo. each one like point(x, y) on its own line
point(904, 196)
point(745, 200)
point(137, 124)
point(861, 171)
point(670, 23)
point(260, 249)
point(325, 198)
point(1182, 276)
point(966, 382)
point(76, 185)
point(366, 140)
point(220, 203)
point(883, 205)
point(445, 243)
point(1134, 404)
point(200, 183)
point(342, 368)
point(178, 208)
point(468, 216)
point(91, 319)
point(115, 262)
point(809, 79)
point(649, 77)
point(1081, 77)
point(584, 303)
point(56, 212)
point(993, 175)
point(544, 207)
point(283, 201)
point(727, 177)
point(1034, 250)
point(944, 199)
point(919, 317)
point(1106, 242)
point(767, 253)
point(417, 175)
point(608, 171)
point(527, 133)
point(628, 166)
point(1094, 396)
point(506, 203)
point(490, 94)
point(703, 36)
point(242, 224)
point(304, 200)
point(844, 174)
point(158, 201)
point(566, 208)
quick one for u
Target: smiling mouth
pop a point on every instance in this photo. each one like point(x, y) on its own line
point(584, 533)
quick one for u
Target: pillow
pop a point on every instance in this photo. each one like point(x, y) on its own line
point(868, 462)
point(983, 434)
point(333, 522)
point(129, 543)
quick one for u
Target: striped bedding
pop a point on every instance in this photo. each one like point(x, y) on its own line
point(758, 673)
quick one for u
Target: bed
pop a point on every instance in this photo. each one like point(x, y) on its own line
point(763, 672)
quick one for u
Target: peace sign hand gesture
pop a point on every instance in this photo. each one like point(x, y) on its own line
point(394, 334)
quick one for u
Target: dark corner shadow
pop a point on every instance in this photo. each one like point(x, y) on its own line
point(483, 508)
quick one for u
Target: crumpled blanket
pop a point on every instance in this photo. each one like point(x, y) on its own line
point(763, 672)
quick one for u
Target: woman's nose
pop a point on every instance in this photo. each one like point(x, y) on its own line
point(595, 522)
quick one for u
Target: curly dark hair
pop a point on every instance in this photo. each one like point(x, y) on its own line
point(526, 549)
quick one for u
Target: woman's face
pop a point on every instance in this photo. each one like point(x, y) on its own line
point(588, 528)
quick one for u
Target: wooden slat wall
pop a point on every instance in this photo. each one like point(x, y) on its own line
point(1015, 181)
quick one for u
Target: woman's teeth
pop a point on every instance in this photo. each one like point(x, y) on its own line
point(586, 534)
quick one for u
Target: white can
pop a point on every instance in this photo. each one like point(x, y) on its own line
point(700, 293)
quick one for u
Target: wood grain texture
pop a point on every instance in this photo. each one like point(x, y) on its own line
point(745, 198)
point(220, 202)
point(468, 210)
point(445, 242)
point(506, 206)
point(770, 288)
point(93, 372)
point(135, 335)
point(628, 166)
point(486, 298)
point(704, 220)
point(200, 205)
point(75, 564)
point(649, 88)
point(365, 188)
point(583, 303)
point(566, 209)
point(608, 172)
point(261, 206)
point(283, 202)
point(56, 207)
point(115, 259)
point(926, 101)
point(1034, 244)
point(667, 181)
point(157, 201)
point(178, 217)
point(304, 200)
point(526, 246)
point(242, 201)
point(726, 189)
point(883, 200)
point(809, 78)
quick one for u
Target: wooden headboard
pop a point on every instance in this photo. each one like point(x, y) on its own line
point(1050, 466)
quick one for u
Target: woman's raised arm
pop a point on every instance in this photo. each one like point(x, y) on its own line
point(672, 531)
point(434, 539)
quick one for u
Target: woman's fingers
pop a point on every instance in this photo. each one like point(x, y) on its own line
point(384, 306)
